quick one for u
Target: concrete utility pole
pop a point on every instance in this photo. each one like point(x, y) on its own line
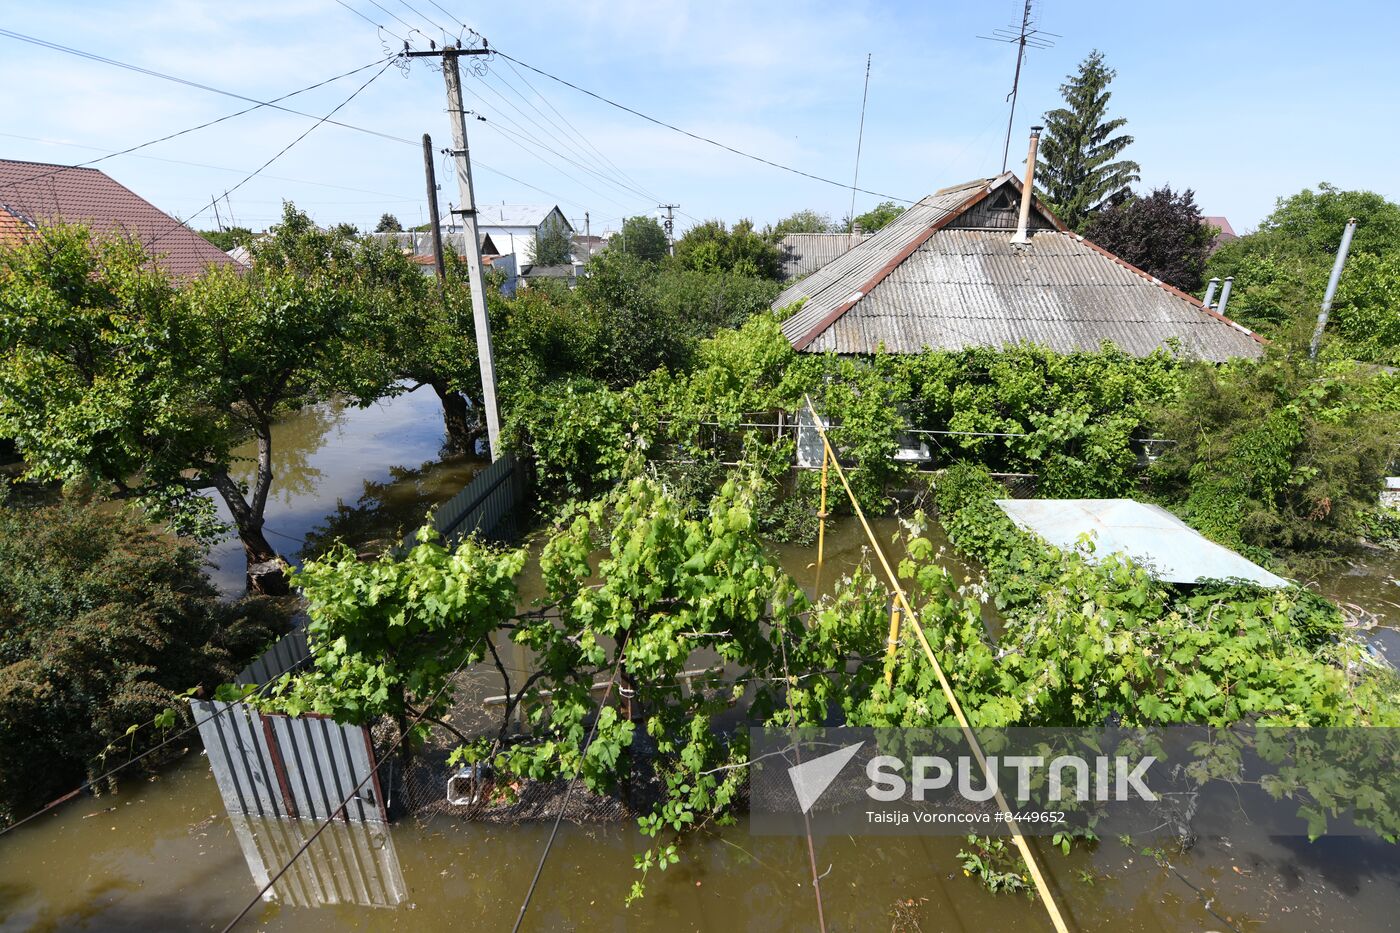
point(467, 211)
point(670, 224)
point(431, 173)
point(588, 233)
point(1331, 288)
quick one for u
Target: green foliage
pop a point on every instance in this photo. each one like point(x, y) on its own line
point(387, 634)
point(714, 247)
point(1079, 170)
point(874, 219)
point(388, 223)
point(1281, 271)
point(104, 623)
point(553, 245)
point(1161, 233)
point(230, 238)
point(803, 221)
point(1281, 456)
point(642, 238)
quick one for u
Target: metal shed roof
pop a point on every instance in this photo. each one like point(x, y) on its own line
point(945, 275)
point(1170, 549)
point(804, 253)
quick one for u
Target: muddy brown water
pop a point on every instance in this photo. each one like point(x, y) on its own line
point(162, 854)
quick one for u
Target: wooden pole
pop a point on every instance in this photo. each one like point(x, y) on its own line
point(433, 219)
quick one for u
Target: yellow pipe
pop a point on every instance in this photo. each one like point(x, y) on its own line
point(821, 522)
point(891, 645)
point(1041, 885)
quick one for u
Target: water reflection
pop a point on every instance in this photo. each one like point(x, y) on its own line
point(343, 471)
point(348, 863)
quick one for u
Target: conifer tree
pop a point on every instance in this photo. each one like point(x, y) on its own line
point(1079, 169)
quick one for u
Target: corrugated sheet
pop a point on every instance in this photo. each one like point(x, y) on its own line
point(973, 287)
point(804, 253)
point(41, 192)
point(1149, 534)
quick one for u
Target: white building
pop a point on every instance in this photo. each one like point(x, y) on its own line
point(512, 227)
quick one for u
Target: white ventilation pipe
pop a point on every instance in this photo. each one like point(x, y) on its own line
point(1028, 190)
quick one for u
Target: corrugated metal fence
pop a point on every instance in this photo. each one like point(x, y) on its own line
point(305, 767)
point(287, 767)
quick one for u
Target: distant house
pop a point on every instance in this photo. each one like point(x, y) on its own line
point(512, 227)
point(946, 274)
point(1226, 234)
point(802, 254)
point(37, 193)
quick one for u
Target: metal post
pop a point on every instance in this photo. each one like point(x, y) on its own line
point(1225, 293)
point(467, 210)
point(1028, 190)
point(433, 218)
point(1331, 288)
point(1211, 286)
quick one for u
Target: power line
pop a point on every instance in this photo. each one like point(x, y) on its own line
point(370, 21)
point(44, 43)
point(192, 129)
point(612, 177)
point(697, 136)
point(251, 175)
point(428, 19)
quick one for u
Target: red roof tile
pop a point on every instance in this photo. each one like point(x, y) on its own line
point(37, 192)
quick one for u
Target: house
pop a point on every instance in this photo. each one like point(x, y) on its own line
point(948, 274)
point(511, 228)
point(804, 253)
point(1226, 232)
point(37, 193)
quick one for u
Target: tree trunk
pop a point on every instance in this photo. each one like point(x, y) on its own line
point(456, 416)
point(267, 572)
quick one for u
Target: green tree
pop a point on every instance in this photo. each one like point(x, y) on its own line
point(552, 246)
point(228, 239)
point(1161, 233)
point(112, 376)
point(874, 219)
point(1079, 169)
point(105, 621)
point(1281, 271)
point(714, 247)
point(388, 223)
point(635, 332)
point(803, 221)
point(643, 238)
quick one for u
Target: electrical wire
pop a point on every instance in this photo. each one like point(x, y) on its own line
point(425, 17)
point(514, 138)
point(697, 136)
point(568, 792)
point(403, 736)
point(597, 157)
point(192, 129)
point(612, 178)
point(44, 43)
point(253, 174)
point(59, 801)
point(370, 21)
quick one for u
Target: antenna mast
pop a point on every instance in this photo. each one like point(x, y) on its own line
point(860, 138)
point(1021, 37)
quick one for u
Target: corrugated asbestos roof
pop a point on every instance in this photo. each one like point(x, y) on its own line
point(926, 282)
point(804, 253)
point(1170, 549)
point(38, 192)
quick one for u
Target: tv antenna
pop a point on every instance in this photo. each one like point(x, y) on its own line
point(1023, 36)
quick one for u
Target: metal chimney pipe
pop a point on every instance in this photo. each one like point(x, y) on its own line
point(1028, 189)
point(1331, 288)
point(1225, 293)
point(1210, 291)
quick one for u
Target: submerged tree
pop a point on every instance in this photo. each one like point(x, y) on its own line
point(113, 376)
point(1161, 233)
point(1079, 168)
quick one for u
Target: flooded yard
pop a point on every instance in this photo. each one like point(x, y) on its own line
point(163, 854)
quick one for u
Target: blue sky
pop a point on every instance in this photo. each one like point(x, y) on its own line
point(1241, 101)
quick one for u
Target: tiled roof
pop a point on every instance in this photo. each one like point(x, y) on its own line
point(42, 193)
point(12, 228)
point(945, 275)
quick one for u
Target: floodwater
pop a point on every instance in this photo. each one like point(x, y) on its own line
point(163, 854)
point(364, 475)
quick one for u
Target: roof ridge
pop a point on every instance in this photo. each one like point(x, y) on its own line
point(76, 168)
